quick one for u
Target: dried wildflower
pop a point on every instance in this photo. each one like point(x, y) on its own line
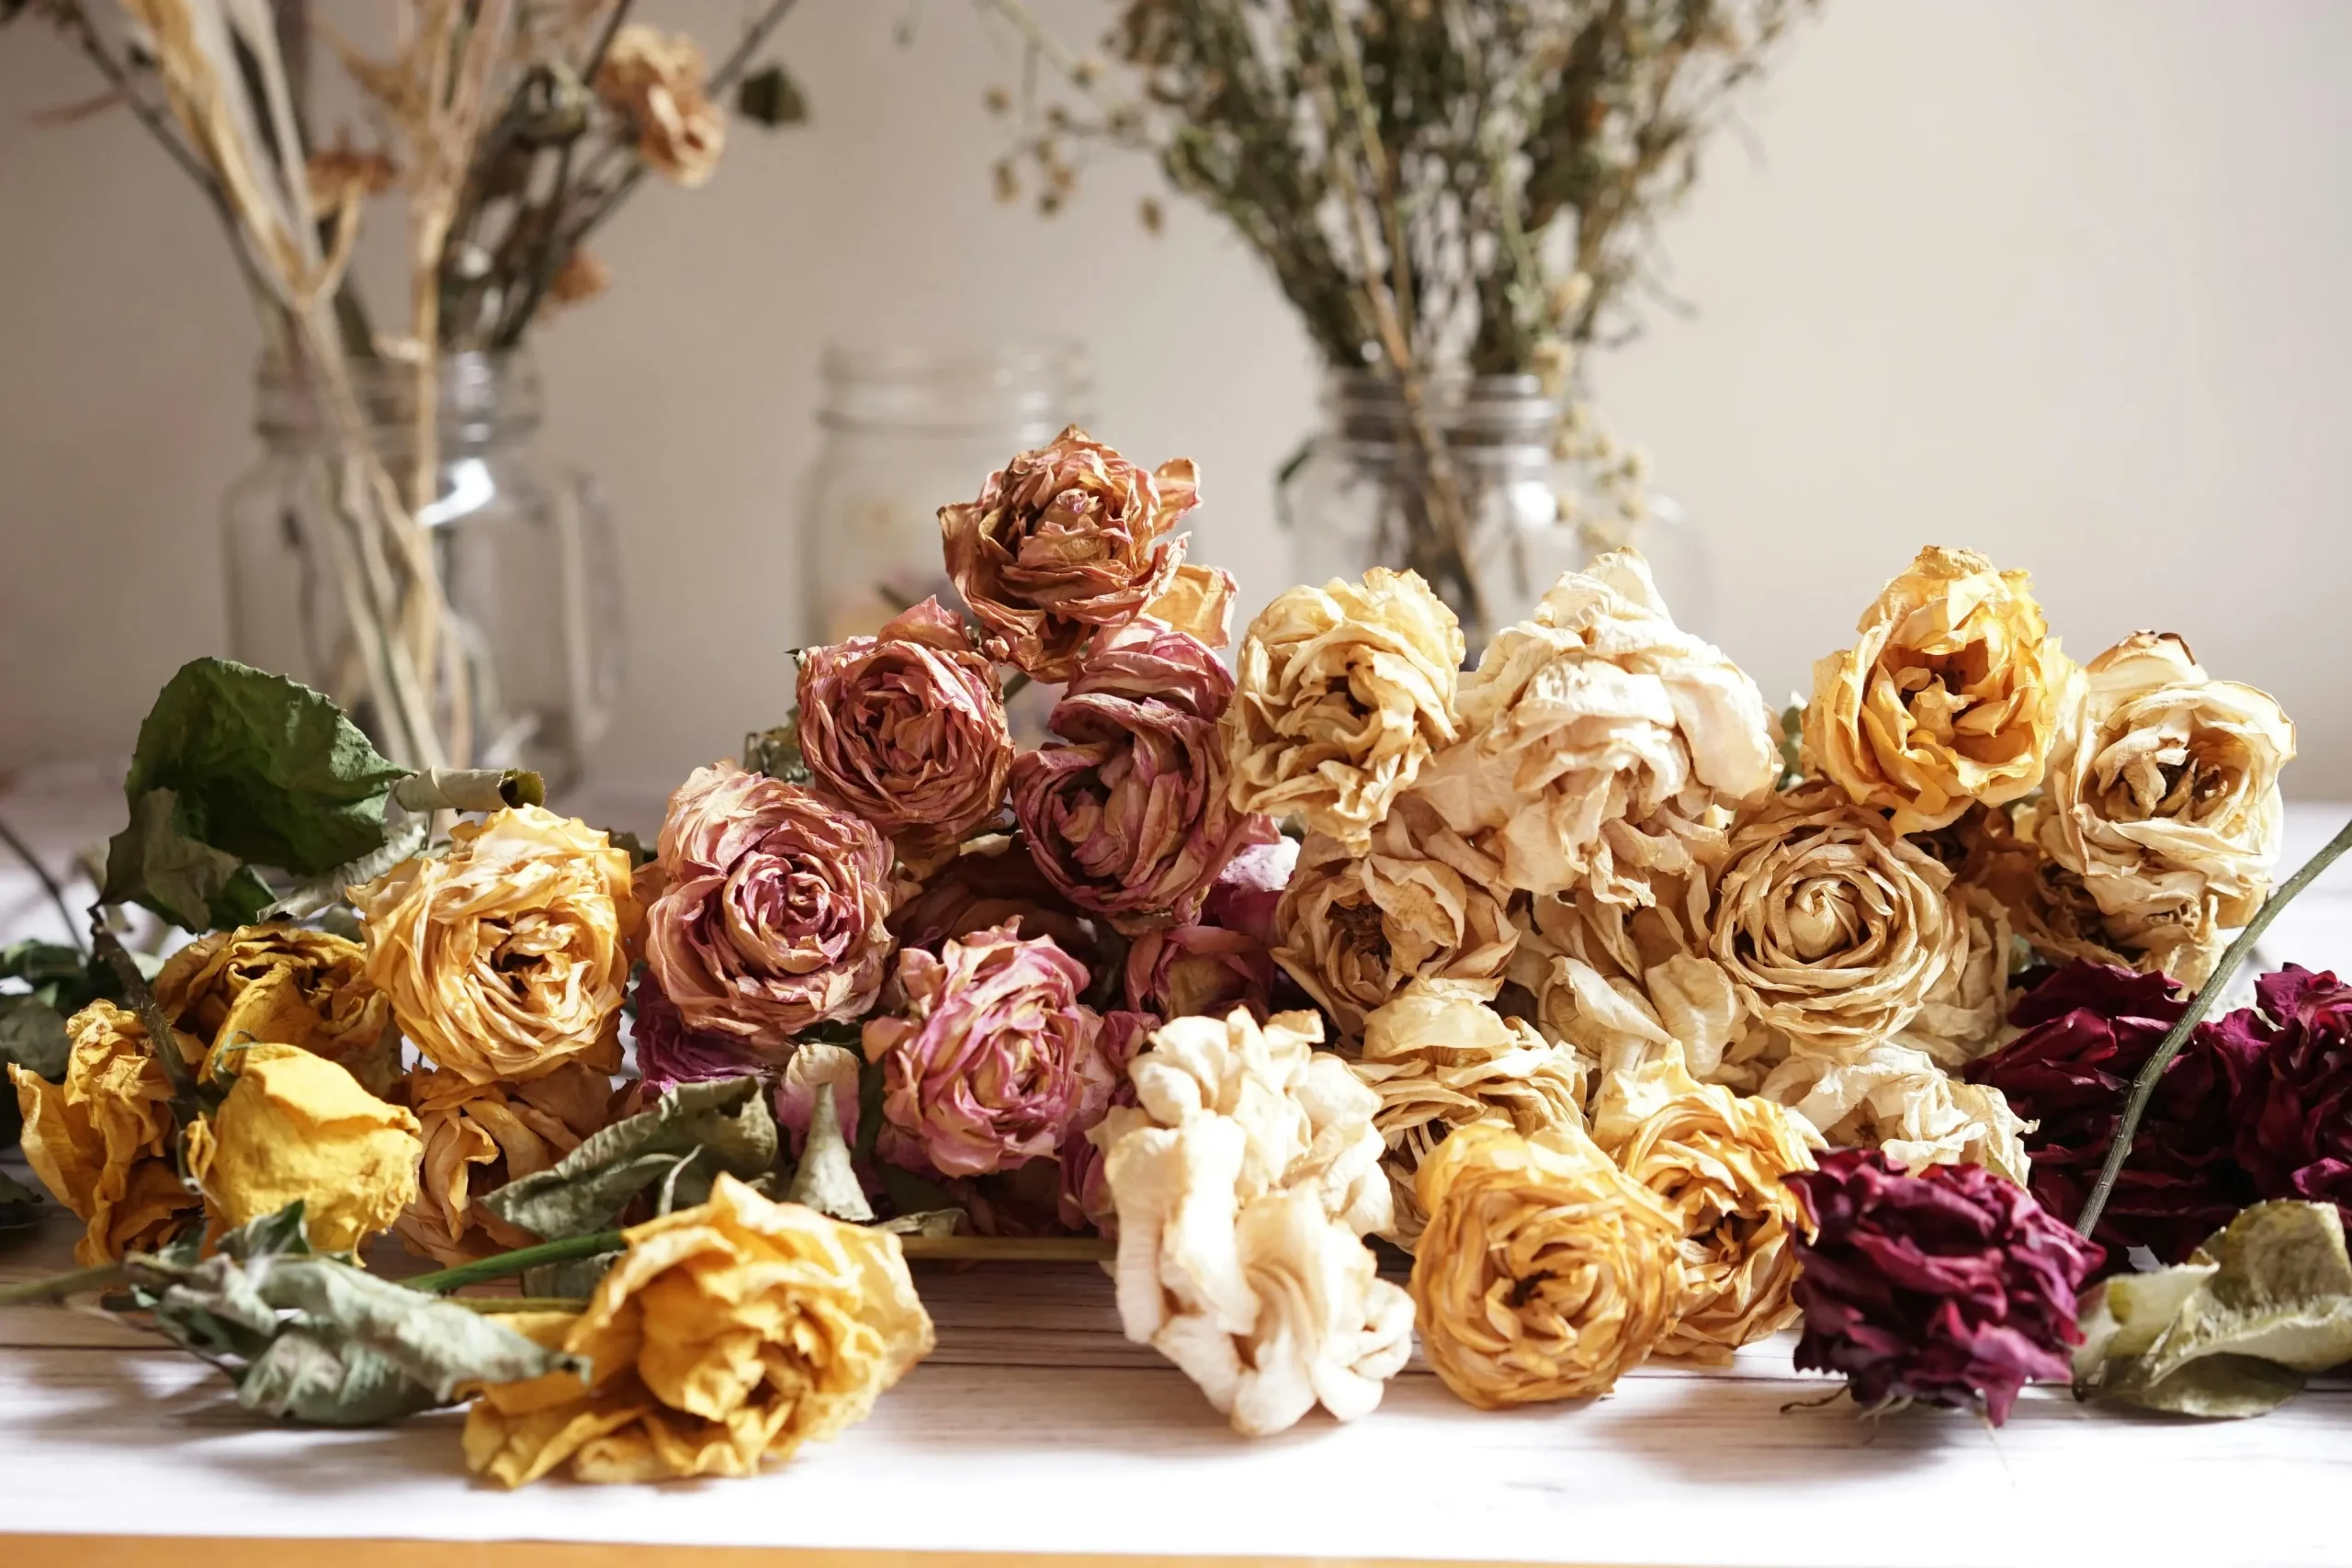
point(656, 79)
point(1420, 905)
point(1193, 971)
point(670, 1052)
point(1718, 1161)
point(477, 1138)
point(2089, 1030)
point(1243, 1179)
point(1955, 693)
point(726, 1336)
point(1598, 710)
point(1128, 815)
point(1952, 1286)
point(342, 173)
point(770, 914)
point(987, 1056)
point(1345, 691)
point(297, 1128)
point(1247, 891)
point(1440, 1058)
point(907, 728)
point(1896, 1100)
point(2163, 800)
point(510, 953)
point(101, 1141)
point(581, 278)
point(2288, 1060)
point(287, 986)
point(1545, 1273)
point(1064, 542)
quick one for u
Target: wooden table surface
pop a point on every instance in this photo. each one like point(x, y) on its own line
point(1036, 1428)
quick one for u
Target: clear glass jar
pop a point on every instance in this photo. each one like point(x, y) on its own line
point(524, 553)
point(908, 431)
point(1541, 491)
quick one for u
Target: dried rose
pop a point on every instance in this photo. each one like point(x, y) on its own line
point(2289, 1059)
point(1544, 1272)
point(656, 80)
point(1198, 602)
point(1420, 905)
point(2089, 1030)
point(289, 985)
point(101, 1141)
point(987, 1056)
point(1597, 711)
point(1188, 971)
point(1064, 542)
point(1247, 892)
point(478, 1137)
point(670, 1052)
point(1130, 817)
point(907, 728)
point(510, 953)
point(295, 1127)
point(1955, 693)
point(727, 1336)
point(1085, 1197)
point(770, 917)
point(1345, 691)
point(2162, 798)
point(1952, 1286)
point(1896, 1100)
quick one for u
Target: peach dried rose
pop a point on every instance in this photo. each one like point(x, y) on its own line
point(477, 1138)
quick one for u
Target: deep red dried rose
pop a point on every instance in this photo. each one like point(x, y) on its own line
point(2289, 1061)
point(1952, 1287)
point(2089, 1028)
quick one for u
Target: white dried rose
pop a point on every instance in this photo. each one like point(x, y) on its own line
point(2162, 796)
point(1440, 1058)
point(1966, 1015)
point(1598, 711)
point(1244, 1179)
point(1896, 1100)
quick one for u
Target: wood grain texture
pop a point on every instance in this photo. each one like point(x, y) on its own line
point(182, 1551)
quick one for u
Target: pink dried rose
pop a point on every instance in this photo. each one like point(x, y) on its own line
point(669, 1053)
point(2290, 1063)
point(1085, 1191)
point(988, 1056)
point(1198, 971)
point(1127, 816)
point(2089, 1028)
point(1952, 1287)
point(1249, 889)
point(990, 881)
point(907, 728)
point(1064, 542)
point(771, 908)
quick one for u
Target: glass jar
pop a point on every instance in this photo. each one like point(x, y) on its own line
point(524, 554)
point(908, 430)
point(1541, 491)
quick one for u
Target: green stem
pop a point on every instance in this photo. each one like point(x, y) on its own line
point(2143, 1087)
point(508, 1264)
point(57, 1287)
point(522, 1303)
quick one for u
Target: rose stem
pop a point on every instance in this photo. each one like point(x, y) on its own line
point(511, 1263)
point(521, 1303)
point(2144, 1087)
point(57, 1287)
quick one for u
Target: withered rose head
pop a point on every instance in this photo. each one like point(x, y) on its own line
point(988, 1056)
point(1128, 815)
point(670, 1052)
point(1954, 692)
point(1952, 1287)
point(1189, 971)
point(907, 728)
point(1085, 1198)
point(656, 80)
point(1248, 890)
point(992, 880)
point(2290, 1066)
point(771, 916)
point(1063, 542)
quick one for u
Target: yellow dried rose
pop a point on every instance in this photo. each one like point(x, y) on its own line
point(656, 79)
point(101, 1141)
point(1343, 693)
point(478, 1137)
point(1440, 1058)
point(1954, 694)
point(1544, 1272)
point(2163, 800)
point(1418, 904)
point(290, 986)
point(727, 1336)
point(298, 1127)
point(510, 953)
point(1716, 1159)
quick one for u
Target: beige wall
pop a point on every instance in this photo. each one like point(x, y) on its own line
point(2060, 280)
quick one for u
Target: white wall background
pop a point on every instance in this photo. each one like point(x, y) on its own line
point(2060, 279)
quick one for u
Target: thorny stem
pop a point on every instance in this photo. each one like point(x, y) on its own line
point(2143, 1087)
point(48, 884)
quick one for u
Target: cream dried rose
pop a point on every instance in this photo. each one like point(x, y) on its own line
point(2162, 798)
point(510, 953)
point(1599, 711)
point(1345, 690)
point(1966, 1014)
point(1893, 1098)
point(656, 79)
point(1954, 694)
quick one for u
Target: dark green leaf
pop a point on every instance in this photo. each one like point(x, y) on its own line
point(32, 1035)
point(159, 863)
point(776, 753)
point(678, 1148)
point(771, 98)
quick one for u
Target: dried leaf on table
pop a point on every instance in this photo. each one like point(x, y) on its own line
point(693, 1134)
point(825, 1181)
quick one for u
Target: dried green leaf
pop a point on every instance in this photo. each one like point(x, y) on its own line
point(32, 1036)
point(20, 1204)
point(307, 899)
point(2232, 1331)
point(159, 861)
point(310, 1338)
point(470, 789)
point(770, 97)
point(776, 753)
point(694, 1131)
point(930, 1222)
point(826, 1181)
